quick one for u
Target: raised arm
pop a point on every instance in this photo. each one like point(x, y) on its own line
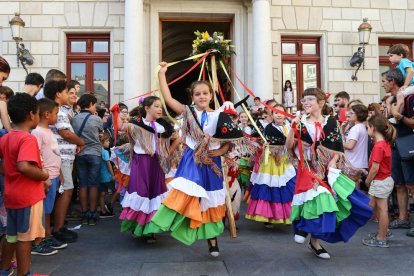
point(175, 105)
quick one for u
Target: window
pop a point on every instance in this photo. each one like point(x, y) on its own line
point(384, 63)
point(88, 57)
point(301, 64)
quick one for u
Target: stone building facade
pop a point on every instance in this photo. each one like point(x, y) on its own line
point(257, 28)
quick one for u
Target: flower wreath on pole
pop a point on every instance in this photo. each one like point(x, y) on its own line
point(205, 42)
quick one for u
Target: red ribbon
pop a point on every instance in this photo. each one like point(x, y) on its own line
point(254, 96)
point(115, 115)
point(221, 92)
point(175, 80)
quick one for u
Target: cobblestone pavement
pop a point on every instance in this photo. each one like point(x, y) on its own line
point(103, 250)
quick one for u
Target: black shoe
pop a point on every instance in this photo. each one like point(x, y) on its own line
point(105, 215)
point(93, 220)
point(64, 237)
point(320, 253)
point(70, 232)
point(109, 208)
point(151, 239)
point(214, 250)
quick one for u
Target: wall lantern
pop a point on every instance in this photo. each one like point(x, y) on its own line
point(358, 59)
point(23, 55)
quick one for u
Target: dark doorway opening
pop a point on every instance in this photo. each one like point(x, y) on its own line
point(177, 40)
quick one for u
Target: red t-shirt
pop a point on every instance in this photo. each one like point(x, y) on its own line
point(20, 191)
point(342, 115)
point(381, 153)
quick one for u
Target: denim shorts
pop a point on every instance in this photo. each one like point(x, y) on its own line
point(402, 171)
point(89, 167)
point(49, 201)
point(104, 187)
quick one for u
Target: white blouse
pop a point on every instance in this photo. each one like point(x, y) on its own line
point(311, 128)
point(159, 128)
point(210, 126)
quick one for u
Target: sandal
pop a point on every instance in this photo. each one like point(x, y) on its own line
point(373, 242)
point(399, 224)
point(374, 235)
point(214, 250)
point(320, 253)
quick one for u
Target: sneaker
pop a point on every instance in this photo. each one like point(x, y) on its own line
point(7, 272)
point(214, 250)
point(105, 215)
point(43, 249)
point(374, 235)
point(320, 253)
point(399, 224)
point(64, 236)
point(410, 233)
point(85, 218)
point(93, 220)
point(373, 242)
point(54, 243)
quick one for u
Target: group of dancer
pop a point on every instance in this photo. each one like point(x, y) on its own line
point(299, 173)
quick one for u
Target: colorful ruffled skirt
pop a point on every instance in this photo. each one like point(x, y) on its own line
point(144, 195)
point(195, 206)
point(272, 190)
point(332, 213)
point(244, 172)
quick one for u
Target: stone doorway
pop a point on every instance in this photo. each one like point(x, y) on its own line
point(176, 44)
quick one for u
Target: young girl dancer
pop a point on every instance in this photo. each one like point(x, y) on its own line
point(244, 165)
point(274, 182)
point(195, 206)
point(379, 178)
point(332, 212)
point(149, 138)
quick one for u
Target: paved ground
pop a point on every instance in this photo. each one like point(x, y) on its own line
point(103, 250)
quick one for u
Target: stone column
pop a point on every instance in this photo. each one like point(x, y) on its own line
point(262, 50)
point(133, 50)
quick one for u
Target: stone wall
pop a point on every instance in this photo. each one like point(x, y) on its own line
point(337, 22)
point(47, 23)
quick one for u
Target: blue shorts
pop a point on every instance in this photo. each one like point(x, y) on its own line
point(104, 187)
point(89, 168)
point(402, 171)
point(26, 224)
point(51, 196)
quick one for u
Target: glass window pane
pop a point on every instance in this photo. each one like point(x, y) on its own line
point(288, 48)
point(382, 68)
point(310, 78)
point(382, 50)
point(100, 46)
point(309, 49)
point(289, 73)
point(78, 72)
point(78, 46)
point(100, 81)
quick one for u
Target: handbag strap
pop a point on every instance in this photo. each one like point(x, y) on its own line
point(83, 125)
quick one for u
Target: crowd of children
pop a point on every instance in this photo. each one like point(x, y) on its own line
point(325, 171)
